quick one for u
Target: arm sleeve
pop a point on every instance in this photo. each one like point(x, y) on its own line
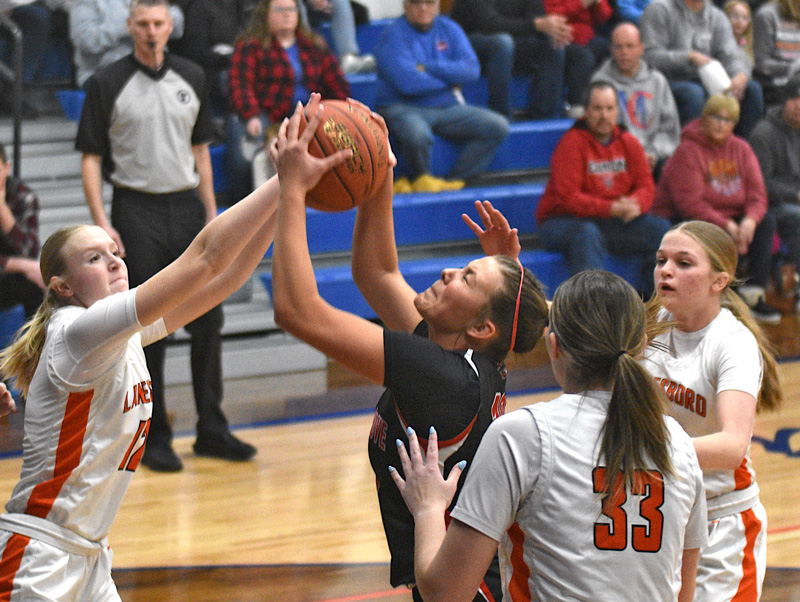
point(754, 185)
point(655, 30)
point(336, 83)
point(668, 131)
point(92, 135)
point(764, 35)
point(686, 186)
point(644, 187)
point(242, 76)
point(23, 238)
point(740, 367)
point(781, 188)
point(403, 75)
point(696, 533)
point(505, 470)
point(460, 65)
point(93, 342)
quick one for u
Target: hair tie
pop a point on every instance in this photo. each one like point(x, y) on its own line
point(620, 353)
point(516, 308)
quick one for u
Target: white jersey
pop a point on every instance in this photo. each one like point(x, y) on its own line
point(534, 486)
point(722, 356)
point(87, 417)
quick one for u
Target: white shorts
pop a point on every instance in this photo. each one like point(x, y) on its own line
point(34, 571)
point(733, 562)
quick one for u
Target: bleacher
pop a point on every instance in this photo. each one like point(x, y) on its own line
point(429, 231)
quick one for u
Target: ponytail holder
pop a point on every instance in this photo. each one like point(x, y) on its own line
point(620, 353)
point(516, 308)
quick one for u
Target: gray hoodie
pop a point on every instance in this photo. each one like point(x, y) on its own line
point(646, 107)
point(670, 30)
point(777, 146)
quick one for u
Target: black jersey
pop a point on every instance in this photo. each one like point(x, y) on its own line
point(457, 392)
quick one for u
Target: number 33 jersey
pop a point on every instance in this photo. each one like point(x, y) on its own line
point(87, 417)
point(535, 488)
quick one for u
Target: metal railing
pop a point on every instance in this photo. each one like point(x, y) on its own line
point(14, 76)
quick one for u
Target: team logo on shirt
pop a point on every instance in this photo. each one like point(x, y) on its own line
point(636, 107)
point(184, 97)
point(377, 434)
point(141, 394)
point(498, 405)
point(607, 170)
point(683, 396)
point(724, 177)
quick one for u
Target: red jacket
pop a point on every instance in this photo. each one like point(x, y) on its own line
point(262, 80)
point(581, 18)
point(586, 177)
point(711, 183)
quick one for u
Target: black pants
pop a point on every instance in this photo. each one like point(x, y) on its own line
point(15, 289)
point(156, 229)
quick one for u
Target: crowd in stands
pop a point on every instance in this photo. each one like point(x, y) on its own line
point(694, 80)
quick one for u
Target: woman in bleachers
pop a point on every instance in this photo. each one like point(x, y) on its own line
point(714, 176)
point(276, 63)
point(738, 12)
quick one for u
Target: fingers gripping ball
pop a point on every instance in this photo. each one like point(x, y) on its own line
point(346, 125)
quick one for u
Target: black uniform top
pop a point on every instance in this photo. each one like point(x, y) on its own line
point(144, 122)
point(458, 392)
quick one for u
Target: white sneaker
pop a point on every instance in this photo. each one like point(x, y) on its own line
point(355, 63)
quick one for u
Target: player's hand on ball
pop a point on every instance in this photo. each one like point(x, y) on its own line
point(424, 489)
point(297, 168)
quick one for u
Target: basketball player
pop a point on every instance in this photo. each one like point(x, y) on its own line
point(595, 495)
point(716, 369)
point(440, 353)
point(88, 400)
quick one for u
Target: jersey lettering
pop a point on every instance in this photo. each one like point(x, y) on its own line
point(134, 454)
point(498, 405)
point(141, 394)
point(649, 485)
point(683, 396)
point(377, 433)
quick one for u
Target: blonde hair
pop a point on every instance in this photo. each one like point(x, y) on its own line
point(748, 33)
point(722, 254)
point(599, 323)
point(722, 102)
point(18, 361)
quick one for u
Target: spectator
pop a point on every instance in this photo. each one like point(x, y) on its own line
point(212, 27)
point(145, 118)
point(20, 279)
point(776, 143)
point(647, 107)
point(35, 22)
point(738, 12)
point(714, 177)
point(423, 60)
point(682, 36)
point(277, 62)
point(583, 16)
point(599, 192)
point(99, 33)
point(776, 44)
point(539, 44)
point(343, 31)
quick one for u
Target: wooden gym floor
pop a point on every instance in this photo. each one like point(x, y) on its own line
point(300, 523)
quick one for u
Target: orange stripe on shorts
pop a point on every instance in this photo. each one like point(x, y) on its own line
point(9, 564)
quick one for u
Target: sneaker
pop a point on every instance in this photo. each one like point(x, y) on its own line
point(160, 457)
point(428, 183)
point(357, 63)
point(402, 186)
point(763, 312)
point(224, 447)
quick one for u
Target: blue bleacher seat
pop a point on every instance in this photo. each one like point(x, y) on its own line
point(217, 152)
point(11, 320)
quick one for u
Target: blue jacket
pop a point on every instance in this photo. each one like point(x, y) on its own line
point(422, 68)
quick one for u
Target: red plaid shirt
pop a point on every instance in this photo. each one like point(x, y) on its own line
point(262, 80)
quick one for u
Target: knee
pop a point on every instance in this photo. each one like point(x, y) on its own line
point(495, 127)
point(411, 131)
point(503, 45)
point(588, 235)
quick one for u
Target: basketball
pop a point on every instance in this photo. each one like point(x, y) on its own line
point(344, 125)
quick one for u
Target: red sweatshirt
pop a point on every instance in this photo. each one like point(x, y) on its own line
point(586, 176)
point(711, 183)
point(581, 18)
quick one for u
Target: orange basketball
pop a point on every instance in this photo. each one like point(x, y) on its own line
point(347, 125)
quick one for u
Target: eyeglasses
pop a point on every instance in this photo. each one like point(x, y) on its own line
point(283, 9)
point(720, 118)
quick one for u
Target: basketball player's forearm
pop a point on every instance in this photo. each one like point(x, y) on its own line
point(374, 246)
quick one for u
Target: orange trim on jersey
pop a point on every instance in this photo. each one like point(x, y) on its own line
point(486, 592)
point(442, 444)
point(748, 586)
point(518, 587)
point(68, 453)
point(10, 562)
point(742, 477)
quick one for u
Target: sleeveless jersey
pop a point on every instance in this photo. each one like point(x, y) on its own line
point(534, 487)
point(457, 392)
point(720, 357)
